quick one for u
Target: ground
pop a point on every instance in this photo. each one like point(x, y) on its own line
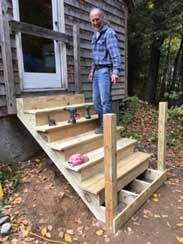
point(45, 204)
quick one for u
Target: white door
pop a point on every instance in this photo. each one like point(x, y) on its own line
point(40, 58)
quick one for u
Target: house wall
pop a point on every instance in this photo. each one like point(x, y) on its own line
point(76, 12)
point(6, 10)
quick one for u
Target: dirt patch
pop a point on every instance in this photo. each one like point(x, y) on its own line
point(48, 200)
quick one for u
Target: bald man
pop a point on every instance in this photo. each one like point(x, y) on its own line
point(106, 64)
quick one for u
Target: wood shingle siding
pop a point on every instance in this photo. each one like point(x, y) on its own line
point(75, 12)
point(78, 12)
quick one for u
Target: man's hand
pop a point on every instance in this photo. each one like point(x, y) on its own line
point(114, 78)
point(90, 76)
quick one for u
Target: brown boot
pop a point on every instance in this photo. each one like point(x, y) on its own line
point(100, 128)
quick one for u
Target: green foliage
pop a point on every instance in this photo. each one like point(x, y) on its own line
point(131, 134)
point(176, 114)
point(11, 173)
point(128, 108)
point(152, 136)
point(175, 97)
point(152, 22)
point(171, 139)
point(175, 124)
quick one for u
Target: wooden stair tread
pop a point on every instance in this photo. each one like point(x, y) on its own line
point(95, 184)
point(98, 154)
point(46, 128)
point(72, 141)
point(53, 109)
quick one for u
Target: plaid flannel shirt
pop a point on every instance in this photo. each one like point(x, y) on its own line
point(105, 50)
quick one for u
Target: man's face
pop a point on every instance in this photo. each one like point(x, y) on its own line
point(96, 20)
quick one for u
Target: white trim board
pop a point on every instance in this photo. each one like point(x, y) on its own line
point(30, 80)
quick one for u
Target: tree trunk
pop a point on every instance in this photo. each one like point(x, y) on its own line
point(151, 83)
point(176, 62)
point(163, 87)
point(181, 72)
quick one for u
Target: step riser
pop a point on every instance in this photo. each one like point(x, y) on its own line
point(42, 102)
point(86, 146)
point(58, 116)
point(99, 165)
point(72, 130)
point(126, 179)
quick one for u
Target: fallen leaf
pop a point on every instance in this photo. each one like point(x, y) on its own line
point(61, 234)
point(99, 232)
point(70, 231)
point(48, 235)
point(67, 238)
point(179, 239)
point(4, 239)
point(50, 227)
point(179, 224)
point(17, 200)
point(155, 199)
point(107, 240)
point(43, 231)
point(14, 241)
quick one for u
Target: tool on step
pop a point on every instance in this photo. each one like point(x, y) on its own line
point(77, 116)
point(72, 112)
point(87, 115)
point(77, 159)
point(51, 122)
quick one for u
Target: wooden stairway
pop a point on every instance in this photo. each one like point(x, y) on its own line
point(135, 181)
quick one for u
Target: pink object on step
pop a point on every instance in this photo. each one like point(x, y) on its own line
point(77, 159)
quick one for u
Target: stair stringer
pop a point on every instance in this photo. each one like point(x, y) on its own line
point(90, 200)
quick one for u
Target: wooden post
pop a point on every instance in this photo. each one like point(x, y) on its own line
point(162, 135)
point(76, 47)
point(7, 59)
point(110, 168)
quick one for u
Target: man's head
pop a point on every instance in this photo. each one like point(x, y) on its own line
point(97, 18)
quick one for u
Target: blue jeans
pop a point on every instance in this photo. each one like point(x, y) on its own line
point(102, 91)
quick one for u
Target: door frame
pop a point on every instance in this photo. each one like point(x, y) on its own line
point(59, 10)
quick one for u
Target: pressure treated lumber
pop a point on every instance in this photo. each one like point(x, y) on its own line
point(54, 109)
point(42, 102)
point(97, 155)
point(163, 106)
point(131, 208)
point(58, 113)
point(110, 169)
point(91, 202)
point(131, 164)
point(82, 143)
point(64, 124)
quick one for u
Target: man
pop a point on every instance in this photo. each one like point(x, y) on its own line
point(106, 64)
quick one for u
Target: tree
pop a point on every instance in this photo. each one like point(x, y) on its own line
point(151, 25)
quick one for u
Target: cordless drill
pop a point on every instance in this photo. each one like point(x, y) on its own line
point(87, 115)
point(72, 112)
